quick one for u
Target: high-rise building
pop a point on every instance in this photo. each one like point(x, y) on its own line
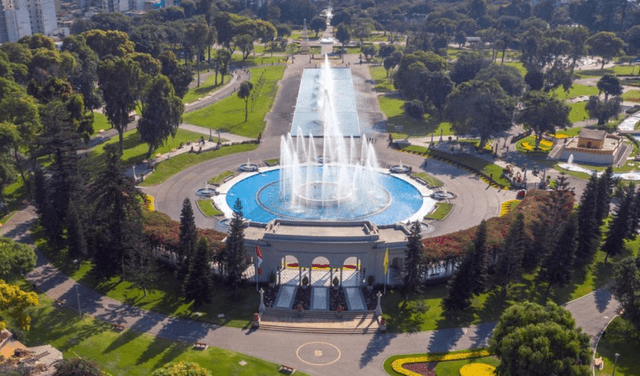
point(43, 16)
point(115, 5)
point(14, 20)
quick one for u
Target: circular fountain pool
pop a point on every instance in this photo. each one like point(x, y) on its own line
point(393, 200)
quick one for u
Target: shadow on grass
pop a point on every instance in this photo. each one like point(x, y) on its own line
point(379, 341)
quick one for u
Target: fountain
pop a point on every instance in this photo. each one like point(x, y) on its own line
point(572, 167)
point(207, 191)
point(328, 171)
point(443, 195)
point(248, 167)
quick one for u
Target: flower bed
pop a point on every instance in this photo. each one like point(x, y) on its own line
point(505, 207)
point(398, 364)
point(477, 369)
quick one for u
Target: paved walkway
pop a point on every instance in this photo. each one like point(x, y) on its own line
point(350, 354)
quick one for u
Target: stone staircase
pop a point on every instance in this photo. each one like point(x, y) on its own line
point(322, 322)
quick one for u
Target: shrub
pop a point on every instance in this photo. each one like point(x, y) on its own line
point(77, 367)
point(181, 369)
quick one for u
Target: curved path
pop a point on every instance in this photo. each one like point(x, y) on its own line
point(350, 354)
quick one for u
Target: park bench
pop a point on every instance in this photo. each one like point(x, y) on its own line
point(118, 327)
point(200, 346)
point(228, 178)
point(287, 369)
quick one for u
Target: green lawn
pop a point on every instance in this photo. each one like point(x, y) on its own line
point(624, 70)
point(170, 167)
point(220, 177)
point(576, 90)
point(381, 81)
point(622, 338)
point(392, 107)
point(442, 210)
point(228, 114)
point(206, 87)
point(578, 113)
point(100, 121)
point(207, 208)
point(128, 353)
point(136, 151)
point(631, 95)
point(518, 65)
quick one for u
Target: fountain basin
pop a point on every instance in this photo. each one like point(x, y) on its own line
point(207, 192)
point(443, 195)
point(399, 169)
point(248, 167)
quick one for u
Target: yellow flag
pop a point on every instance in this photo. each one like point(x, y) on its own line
point(386, 261)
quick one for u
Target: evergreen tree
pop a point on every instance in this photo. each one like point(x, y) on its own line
point(414, 261)
point(40, 190)
point(605, 187)
point(626, 287)
point(479, 260)
point(619, 226)
point(188, 238)
point(508, 267)
point(587, 223)
point(461, 285)
point(635, 216)
point(235, 257)
point(196, 285)
point(142, 269)
point(557, 265)
point(76, 241)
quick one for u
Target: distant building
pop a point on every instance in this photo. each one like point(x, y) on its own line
point(20, 18)
point(115, 5)
point(16, 20)
point(594, 146)
point(42, 14)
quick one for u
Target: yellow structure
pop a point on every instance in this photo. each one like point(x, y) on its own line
point(591, 138)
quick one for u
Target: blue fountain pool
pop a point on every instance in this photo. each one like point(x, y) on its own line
point(262, 202)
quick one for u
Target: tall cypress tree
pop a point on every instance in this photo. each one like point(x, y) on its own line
point(461, 285)
point(587, 221)
point(235, 256)
point(557, 265)
point(197, 282)
point(509, 265)
point(188, 239)
point(479, 260)
point(41, 192)
point(142, 269)
point(605, 188)
point(414, 260)
point(76, 240)
point(619, 226)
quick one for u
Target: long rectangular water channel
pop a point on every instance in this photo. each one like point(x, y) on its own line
point(308, 116)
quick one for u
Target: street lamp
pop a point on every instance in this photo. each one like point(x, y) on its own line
point(614, 364)
point(78, 296)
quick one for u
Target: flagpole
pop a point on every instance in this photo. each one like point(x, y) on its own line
point(386, 278)
point(256, 265)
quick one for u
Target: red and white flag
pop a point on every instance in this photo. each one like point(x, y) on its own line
point(259, 260)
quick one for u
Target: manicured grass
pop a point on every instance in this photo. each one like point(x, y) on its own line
point(576, 90)
point(433, 182)
point(255, 60)
point(392, 107)
point(220, 177)
point(571, 132)
point(518, 65)
point(272, 162)
point(128, 353)
point(206, 87)
point(100, 121)
point(380, 79)
point(228, 114)
point(622, 338)
point(207, 208)
point(136, 151)
point(170, 167)
point(624, 70)
point(16, 195)
point(631, 96)
point(442, 210)
point(578, 113)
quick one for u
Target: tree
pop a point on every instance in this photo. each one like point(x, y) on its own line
point(14, 301)
point(179, 75)
point(587, 223)
point(509, 78)
point(343, 34)
point(480, 259)
point(141, 266)
point(76, 240)
point(626, 287)
point(181, 369)
point(606, 45)
point(413, 261)
point(466, 67)
point(318, 24)
point(414, 109)
point(161, 113)
point(77, 367)
point(577, 37)
point(438, 86)
point(15, 257)
point(481, 107)
point(509, 264)
point(196, 283)
point(557, 265)
point(234, 257)
point(460, 286)
point(536, 340)
point(541, 113)
point(620, 225)
point(187, 239)
point(388, 63)
point(85, 76)
point(609, 84)
point(245, 94)
point(117, 216)
point(605, 188)
point(244, 43)
point(603, 111)
point(632, 37)
point(119, 79)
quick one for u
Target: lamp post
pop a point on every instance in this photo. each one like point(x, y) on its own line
point(378, 307)
point(78, 296)
point(261, 307)
point(614, 364)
